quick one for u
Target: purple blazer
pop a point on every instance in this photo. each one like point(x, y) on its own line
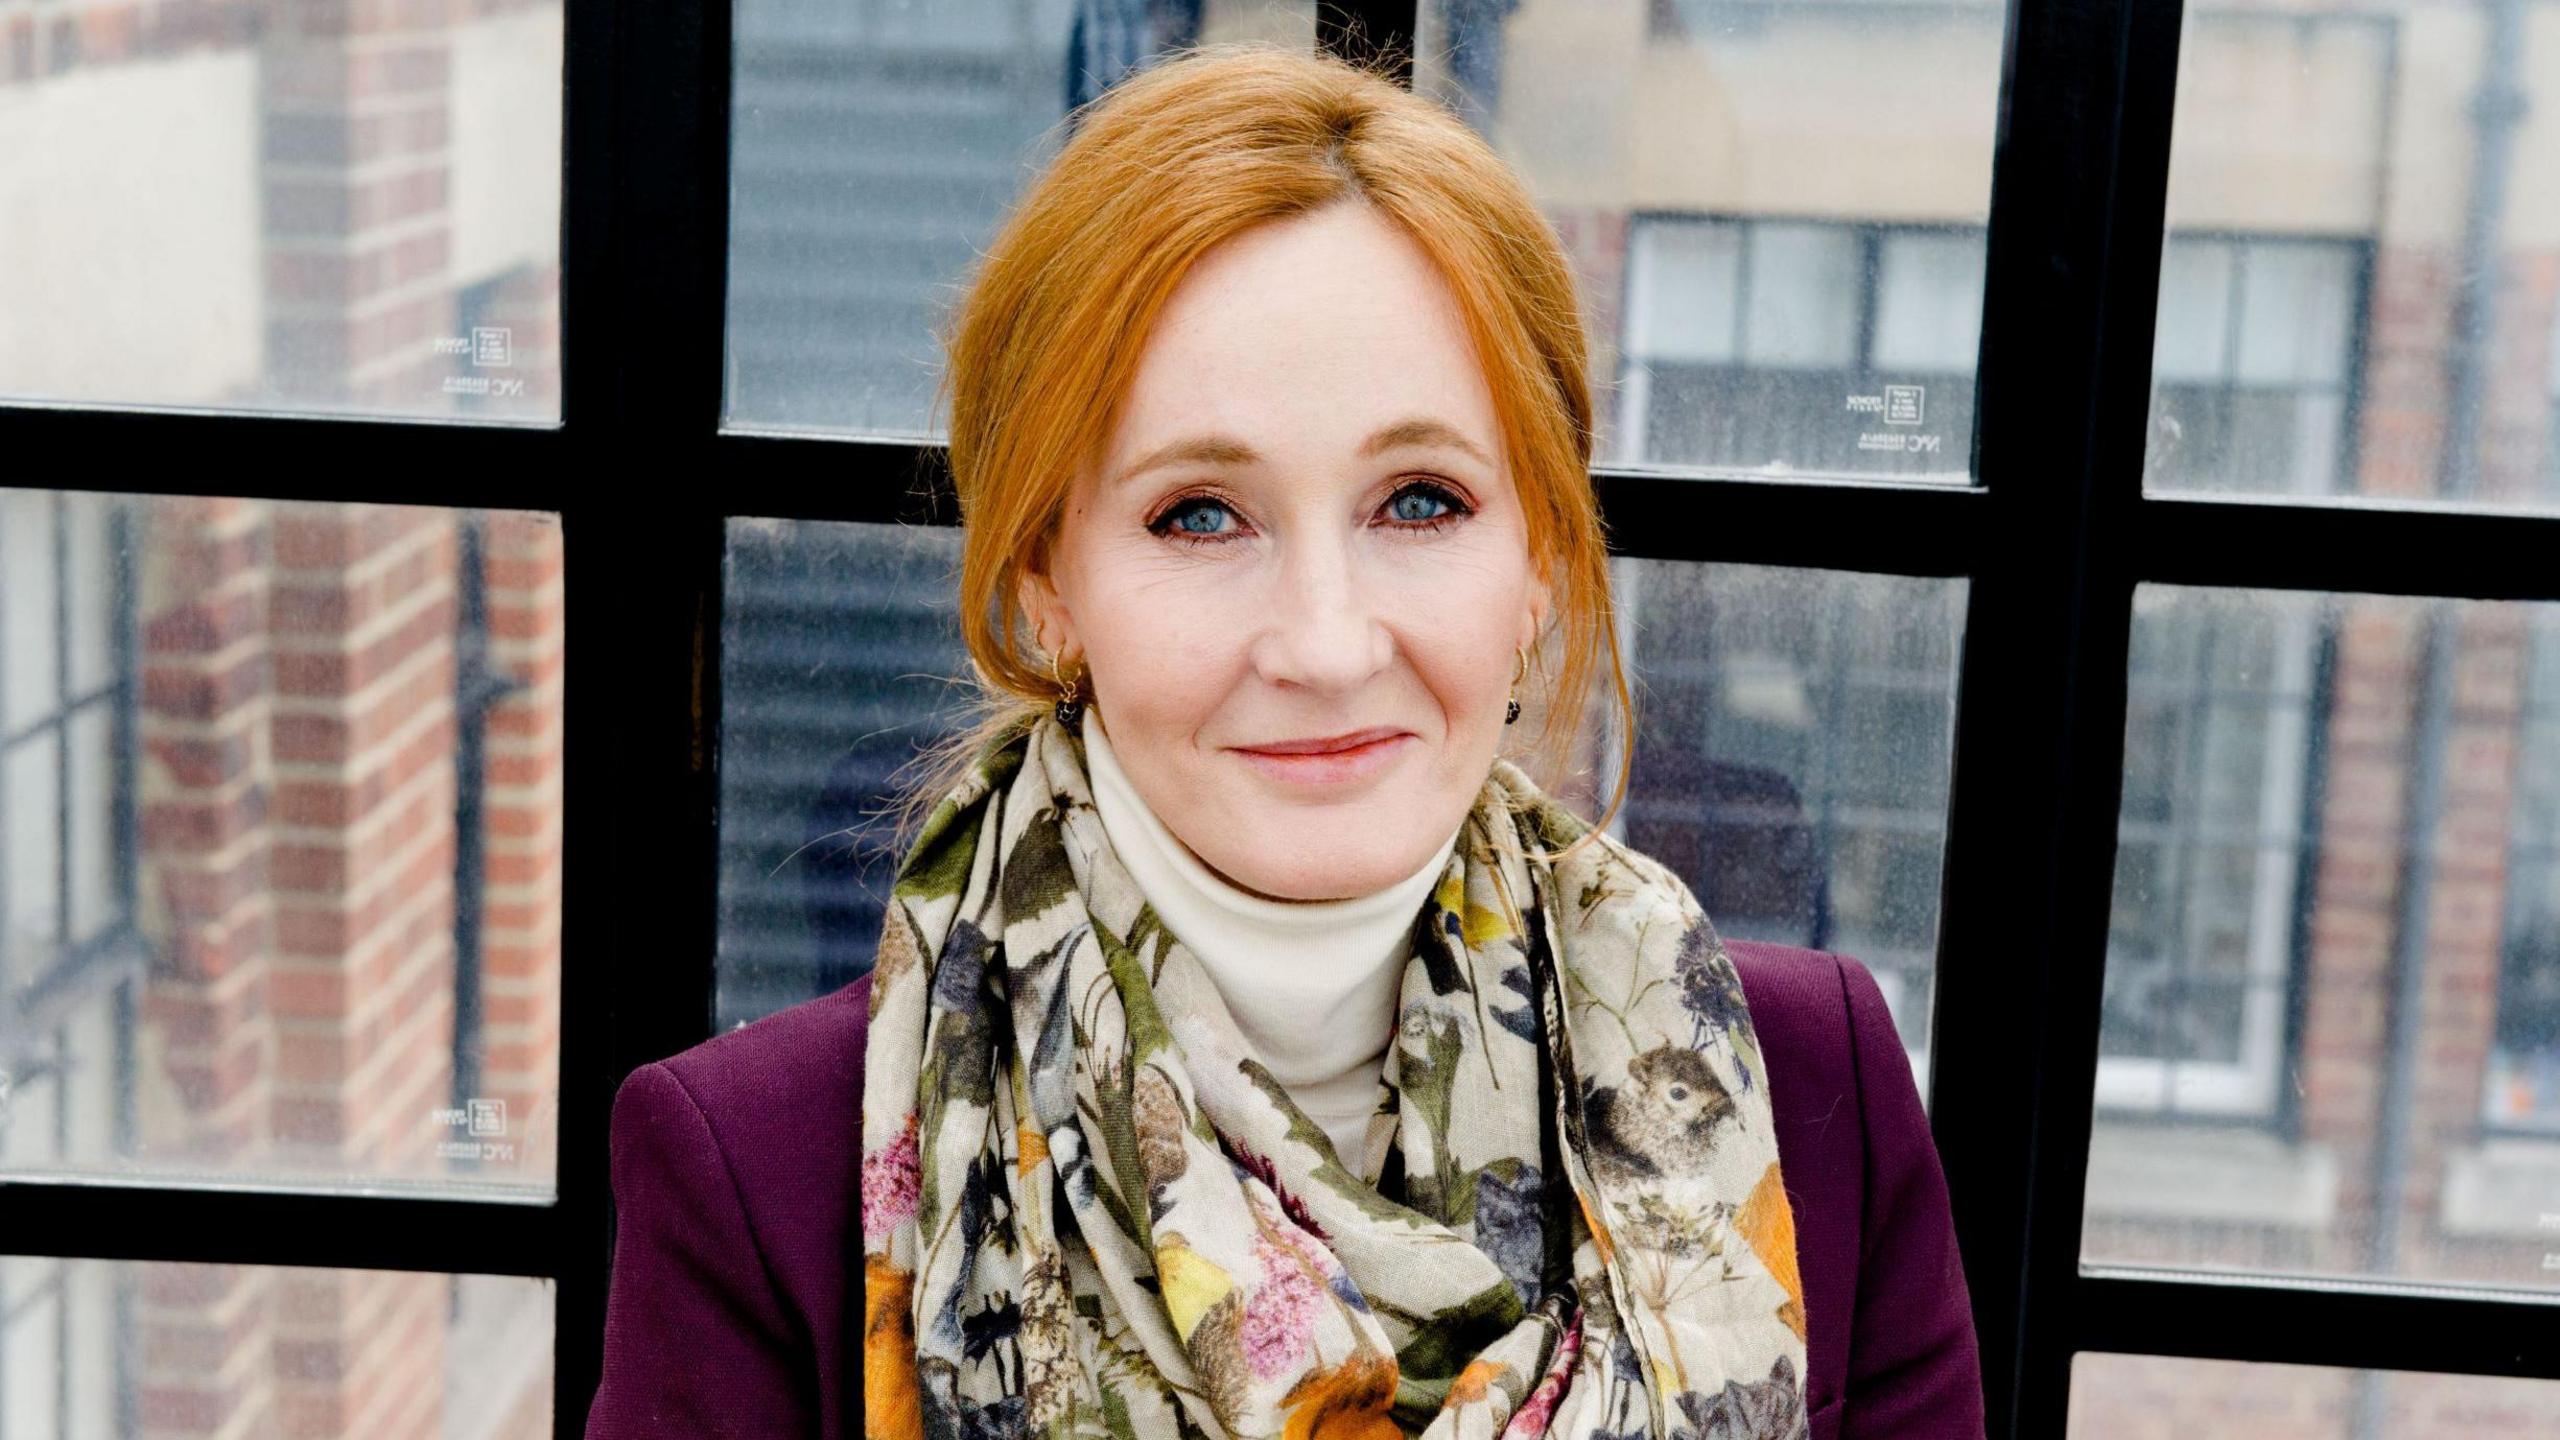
point(736, 1181)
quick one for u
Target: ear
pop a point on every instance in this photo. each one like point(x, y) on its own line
point(1533, 614)
point(1051, 622)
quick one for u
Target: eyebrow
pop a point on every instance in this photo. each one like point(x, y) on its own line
point(1410, 432)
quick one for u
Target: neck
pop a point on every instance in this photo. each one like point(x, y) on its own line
point(1313, 984)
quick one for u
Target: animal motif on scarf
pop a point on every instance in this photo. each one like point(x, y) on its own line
point(1089, 1210)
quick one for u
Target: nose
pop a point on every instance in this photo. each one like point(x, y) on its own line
point(1321, 630)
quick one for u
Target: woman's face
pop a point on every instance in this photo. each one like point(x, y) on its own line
point(1301, 570)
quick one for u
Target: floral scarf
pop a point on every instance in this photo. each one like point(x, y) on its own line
point(1088, 1210)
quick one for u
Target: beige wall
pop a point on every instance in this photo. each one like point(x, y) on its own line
point(130, 249)
point(114, 173)
point(2292, 122)
point(507, 92)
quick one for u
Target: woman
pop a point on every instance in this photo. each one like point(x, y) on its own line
point(1251, 1049)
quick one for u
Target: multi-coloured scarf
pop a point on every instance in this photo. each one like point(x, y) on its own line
point(1089, 1210)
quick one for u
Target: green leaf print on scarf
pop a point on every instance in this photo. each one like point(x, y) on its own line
point(1127, 1229)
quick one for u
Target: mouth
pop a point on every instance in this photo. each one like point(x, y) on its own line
point(1330, 759)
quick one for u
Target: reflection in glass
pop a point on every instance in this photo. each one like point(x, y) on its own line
point(1794, 729)
point(2251, 366)
point(112, 1350)
point(877, 144)
point(2137, 1397)
point(264, 206)
point(280, 871)
point(1776, 213)
point(2358, 293)
point(2522, 1087)
point(2329, 1034)
point(1748, 342)
point(1791, 761)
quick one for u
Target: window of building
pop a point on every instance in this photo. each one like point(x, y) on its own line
point(2522, 1092)
point(1765, 344)
point(2230, 986)
point(2212, 857)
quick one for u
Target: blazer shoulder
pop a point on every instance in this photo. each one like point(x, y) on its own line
point(777, 1101)
point(801, 1062)
point(1823, 1023)
point(1805, 1005)
point(1885, 1282)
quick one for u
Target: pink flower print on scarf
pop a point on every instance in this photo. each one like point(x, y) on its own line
point(1530, 1420)
point(1280, 1319)
point(892, 1178)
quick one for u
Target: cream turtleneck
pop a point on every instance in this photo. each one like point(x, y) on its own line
point(1313, 984)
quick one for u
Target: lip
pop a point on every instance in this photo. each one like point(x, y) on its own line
point(1328, 760)
point(1327, 745)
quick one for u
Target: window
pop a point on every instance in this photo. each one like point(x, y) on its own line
point(1792, 757)
point(2179, 752)
point(875, 148)
point(280, 908)
point(2310, 338)
point(2311, 867)
point(2230, 1400)
point(1758, 343)
point(2551, 449)
point(1776, 210)
point(66, 1368)
point(2253, 363)
point(69, 931)
point(2522, 1092)
point(2204, 944)
point(233, 208)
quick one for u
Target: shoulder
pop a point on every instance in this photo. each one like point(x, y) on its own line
point(758, 1130)
point(1811, 1012)
point(1818, 999)
point(792, 1067)
point(1839, 1076)
point(1892, 1344)
point(733, 1171)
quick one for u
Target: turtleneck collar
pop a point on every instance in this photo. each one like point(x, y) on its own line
point(1313, 984)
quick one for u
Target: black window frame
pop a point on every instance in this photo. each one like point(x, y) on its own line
point(2053, 538)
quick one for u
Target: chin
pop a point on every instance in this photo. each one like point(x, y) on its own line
point(1324, 867)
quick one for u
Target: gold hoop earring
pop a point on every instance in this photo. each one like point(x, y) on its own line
point(1070, 706)
point(1519, 670)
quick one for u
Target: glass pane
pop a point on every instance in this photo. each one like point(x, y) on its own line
point(878, 143)
point(2358, 295)
point(2138, 1397)
point(116, 1350)
point(2330, 1041)
point(280, 873)
point(263, 207)
point(1776, 212)
point(1791, 758)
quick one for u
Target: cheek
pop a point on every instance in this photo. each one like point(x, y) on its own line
point(1458, 618)
point(1163, 645)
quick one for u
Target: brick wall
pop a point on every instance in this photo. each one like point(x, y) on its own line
point(2362, 865)
point(298, 791)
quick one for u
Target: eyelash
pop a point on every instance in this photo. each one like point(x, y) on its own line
point(1458, 509)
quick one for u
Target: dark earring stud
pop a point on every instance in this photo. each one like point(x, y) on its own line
point(1519, 668)
point(1511, 711)
point(1070, 706)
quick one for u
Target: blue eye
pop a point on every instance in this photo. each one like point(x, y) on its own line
point(1420, 506)
point(1417, 503)
point(1198, 517)
point(1426, 506)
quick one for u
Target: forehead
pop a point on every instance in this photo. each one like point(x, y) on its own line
point(1314, 331)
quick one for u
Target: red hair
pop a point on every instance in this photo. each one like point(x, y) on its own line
point(1189, 152)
